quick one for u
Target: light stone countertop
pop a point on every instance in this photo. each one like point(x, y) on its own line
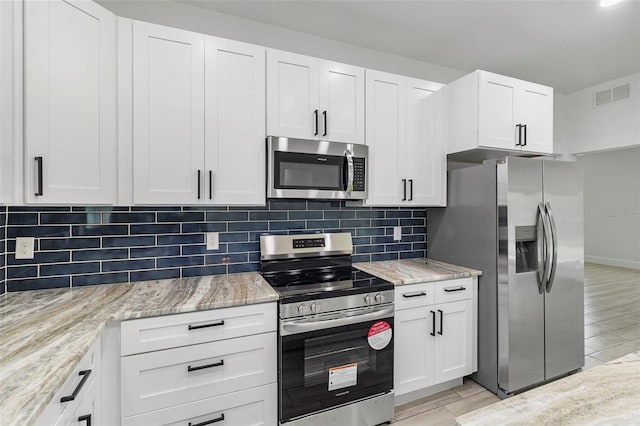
point(412, 271)
point(608, 394)
point(45, 333)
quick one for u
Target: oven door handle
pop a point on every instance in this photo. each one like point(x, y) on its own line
point(297, 326)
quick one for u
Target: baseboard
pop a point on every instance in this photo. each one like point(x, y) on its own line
point(612, 262)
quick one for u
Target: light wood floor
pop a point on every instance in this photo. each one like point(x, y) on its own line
point(612, 329)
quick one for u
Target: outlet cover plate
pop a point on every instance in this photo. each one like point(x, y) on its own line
point(213, 241)
point(397, 233)
point(24, 247)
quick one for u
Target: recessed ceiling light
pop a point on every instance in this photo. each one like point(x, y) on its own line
point(607, 3)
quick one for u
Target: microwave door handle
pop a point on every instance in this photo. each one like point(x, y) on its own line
point(348, 156)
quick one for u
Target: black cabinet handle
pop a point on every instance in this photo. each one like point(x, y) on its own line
point(452, 289)
point(410, 189)
point(208, 422)
point(404, 191)
point(416, 294)
point(85, 376)
point(324, 115)
point(433, 324)
point(39, 191)
point(441, 313)
point(202, 367)
point(85, 418)
point(316, 114)
point(210, 184)
point(213, 324)
point(198, 184)
point(525, 134)
point(519, 128)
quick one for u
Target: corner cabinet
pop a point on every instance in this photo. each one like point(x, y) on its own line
point(407, 159)
point(311, 98)
point(491, 111)
point(436, 334)
point(69, 103)
point(198, 118)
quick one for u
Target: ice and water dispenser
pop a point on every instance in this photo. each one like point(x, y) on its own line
point(526, 249)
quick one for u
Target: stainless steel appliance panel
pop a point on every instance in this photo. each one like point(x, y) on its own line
point(564, 299)
point(465, 233)
point(521, 351)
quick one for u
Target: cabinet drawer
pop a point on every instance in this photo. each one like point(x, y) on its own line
point(414, 295)
point(255, 406)
point(90, 366)
point(452, 290)
point(157, 333)
point(161, 379)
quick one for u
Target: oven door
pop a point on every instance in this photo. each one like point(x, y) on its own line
point(315, 169)
point(329, 360)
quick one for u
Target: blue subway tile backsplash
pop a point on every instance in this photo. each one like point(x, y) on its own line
point(78, 246)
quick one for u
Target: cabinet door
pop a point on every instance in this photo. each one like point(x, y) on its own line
point(426, 158)
point(453, 355)
point(535, 110)
point(70, 109)
point(341, 102)
point(235, 122)
point(87, 411)
point(292, 95)
point(386, 137)
point(168, 115)
point(413, 350)
point(496, 111)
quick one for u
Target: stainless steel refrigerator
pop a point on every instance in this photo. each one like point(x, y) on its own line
point(520, 221)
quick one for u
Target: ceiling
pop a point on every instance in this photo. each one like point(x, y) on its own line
point(566, 44)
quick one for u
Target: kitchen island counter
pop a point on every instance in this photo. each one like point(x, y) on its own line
point(413, 271)
point(45, 333)
point(606, 394)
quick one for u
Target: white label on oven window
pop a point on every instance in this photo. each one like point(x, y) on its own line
point(343, 376)
point(380, 335)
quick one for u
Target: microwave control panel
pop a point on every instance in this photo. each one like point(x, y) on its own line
point(358, 174)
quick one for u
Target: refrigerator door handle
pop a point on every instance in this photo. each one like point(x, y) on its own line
point(541, 248)
point(554, 238)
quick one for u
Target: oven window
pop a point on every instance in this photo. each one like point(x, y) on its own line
point(326, 352)
point(308, 171)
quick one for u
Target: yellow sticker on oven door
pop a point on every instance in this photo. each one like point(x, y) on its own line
point(343, 376)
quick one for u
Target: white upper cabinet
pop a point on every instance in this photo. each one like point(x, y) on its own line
point(494, 112)
point(234, 122)
point(407, 160)
point(310, 98)
point(168, 115)
point(198, 118)
point(70, 103)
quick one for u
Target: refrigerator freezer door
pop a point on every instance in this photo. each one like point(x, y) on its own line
point(521, 352)
point(564, 302)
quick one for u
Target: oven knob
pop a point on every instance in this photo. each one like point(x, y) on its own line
point(378, 298)
point(367, 299)
point(302, 308)
point(314, 308)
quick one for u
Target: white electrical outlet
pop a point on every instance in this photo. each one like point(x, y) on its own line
point(212, 241)
point(24, 247)
point(397, 233)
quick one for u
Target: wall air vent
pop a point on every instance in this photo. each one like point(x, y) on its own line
point(614, 94)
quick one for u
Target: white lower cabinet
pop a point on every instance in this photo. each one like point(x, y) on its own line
point(87, 412)
point(198, 367)
point(435, 331)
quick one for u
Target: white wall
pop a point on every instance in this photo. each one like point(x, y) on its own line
point(611, 126)
point(227, 26)
point(612, 207)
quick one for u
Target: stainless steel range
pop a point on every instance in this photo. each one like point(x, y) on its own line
point(335, 338)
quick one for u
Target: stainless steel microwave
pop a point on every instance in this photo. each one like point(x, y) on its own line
point(301, 168)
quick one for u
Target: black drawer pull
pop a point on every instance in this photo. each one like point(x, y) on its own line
point(213, 324)
point(85, 376)
point(433, 324)
point(452, 289)
point(208, 422)
point(416, 294)
point(85, 418)
point(202, 367)
point(441, 314)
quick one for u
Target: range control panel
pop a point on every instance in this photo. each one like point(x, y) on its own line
point(358, 174)
point(308, 243)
